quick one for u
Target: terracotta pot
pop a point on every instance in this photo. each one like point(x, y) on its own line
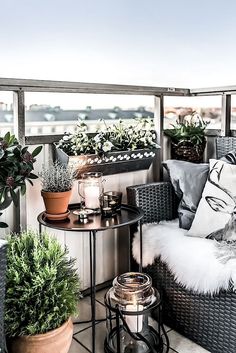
point(56, 202)
point(55, 341)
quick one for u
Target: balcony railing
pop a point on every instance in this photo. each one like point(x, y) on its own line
point(21, 86)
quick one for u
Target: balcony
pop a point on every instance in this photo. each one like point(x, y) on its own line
point(44, 125)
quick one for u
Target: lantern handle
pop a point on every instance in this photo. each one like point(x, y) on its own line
point(136, 336)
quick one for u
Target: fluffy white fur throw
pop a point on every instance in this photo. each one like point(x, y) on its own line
point(193, 261)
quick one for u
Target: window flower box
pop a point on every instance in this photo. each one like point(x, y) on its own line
point(114, 149)
point(114, 162)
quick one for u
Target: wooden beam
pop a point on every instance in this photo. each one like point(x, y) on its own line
point(213, 90)
point(19, 115)
point(159, 126)
point(20, 212)
point(226, 115)
point(82, 87)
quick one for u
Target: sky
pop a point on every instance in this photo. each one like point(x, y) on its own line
point(167, 43)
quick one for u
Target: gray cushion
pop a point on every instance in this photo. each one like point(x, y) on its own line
point(188, 180)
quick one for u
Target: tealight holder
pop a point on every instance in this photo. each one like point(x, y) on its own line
point(83, 215)
point(110, 203)
point(115, 198)
point(107, 210)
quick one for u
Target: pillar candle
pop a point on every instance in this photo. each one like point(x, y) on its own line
point(135, 322)
point(91, 196)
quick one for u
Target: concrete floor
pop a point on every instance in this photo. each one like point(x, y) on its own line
point(178, 343)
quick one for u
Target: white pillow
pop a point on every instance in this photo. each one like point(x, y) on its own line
point(215, 217)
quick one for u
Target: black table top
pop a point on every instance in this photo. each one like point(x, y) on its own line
point(128, 215)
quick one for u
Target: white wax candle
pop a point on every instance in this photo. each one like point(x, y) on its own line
point(91, 196)
point(135, 322)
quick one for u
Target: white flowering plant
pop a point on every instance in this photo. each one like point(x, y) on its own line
point(140, 134)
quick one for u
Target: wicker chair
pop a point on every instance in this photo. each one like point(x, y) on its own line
point(3, 248)
point(208, 320)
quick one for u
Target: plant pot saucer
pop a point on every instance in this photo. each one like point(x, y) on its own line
point(57, 217)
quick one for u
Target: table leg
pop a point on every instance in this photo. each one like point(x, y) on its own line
point(92, 240)
point(140, 247)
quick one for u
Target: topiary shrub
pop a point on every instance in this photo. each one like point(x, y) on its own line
point(42, 286)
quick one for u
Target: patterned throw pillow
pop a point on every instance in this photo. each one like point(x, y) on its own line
point(188, 180)
point(216, 214)
point(230, 157)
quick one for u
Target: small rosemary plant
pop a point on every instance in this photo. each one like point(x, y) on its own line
point(42, 285)
point(57, 178)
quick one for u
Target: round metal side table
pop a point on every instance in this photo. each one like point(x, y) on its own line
point(127, 216)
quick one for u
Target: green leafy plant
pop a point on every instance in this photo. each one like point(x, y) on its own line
point(42, 286)
point(117, 137)
point(57, 178)
point(191, 129)
point(3, 224)
point(16, 165)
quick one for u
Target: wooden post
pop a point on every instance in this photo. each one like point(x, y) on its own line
point(226, 115)
point(20, 213)
point(159, 124)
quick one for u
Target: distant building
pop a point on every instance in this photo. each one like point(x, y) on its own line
point(46, 113)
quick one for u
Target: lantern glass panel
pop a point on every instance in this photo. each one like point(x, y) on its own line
point(130, 304)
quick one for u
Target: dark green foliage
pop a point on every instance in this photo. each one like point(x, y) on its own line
point(188, 130)
point(16, 165)
point(42, 286)
point(3, 224)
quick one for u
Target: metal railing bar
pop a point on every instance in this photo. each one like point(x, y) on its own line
point(42, 139)
point(213, 90)
point(84, 87)
point(47, 139)
point(226, 115)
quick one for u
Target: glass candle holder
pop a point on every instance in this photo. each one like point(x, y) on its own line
point(90, 189)
point(107, 209)
point(110, 203)
point(115, 199)
point(131, 304)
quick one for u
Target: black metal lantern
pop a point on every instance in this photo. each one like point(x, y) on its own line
point(131, 304)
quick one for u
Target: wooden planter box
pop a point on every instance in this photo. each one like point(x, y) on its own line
point(110, 163)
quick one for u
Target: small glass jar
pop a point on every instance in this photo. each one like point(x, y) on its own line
point(130, 304)
point(110, 203)
point(115, 198)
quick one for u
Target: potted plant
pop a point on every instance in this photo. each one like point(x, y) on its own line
point(42, 293)
point(57, 181)
point(16, 165)
point(188, 139)
point(117, 148)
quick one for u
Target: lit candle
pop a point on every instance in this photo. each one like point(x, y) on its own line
point(91, 196)
point(135, 322)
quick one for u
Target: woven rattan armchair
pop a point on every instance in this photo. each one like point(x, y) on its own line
point(3, 249)
point(208, 320)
